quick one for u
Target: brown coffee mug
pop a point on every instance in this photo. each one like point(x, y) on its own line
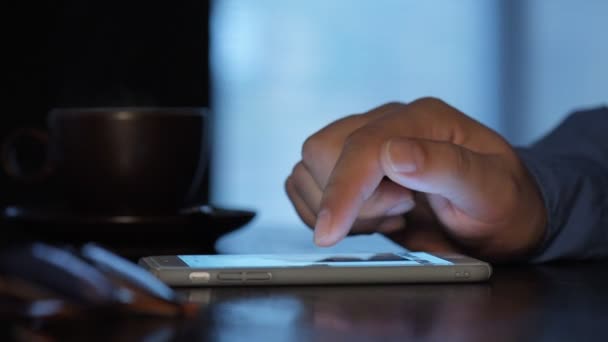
point(126, 160)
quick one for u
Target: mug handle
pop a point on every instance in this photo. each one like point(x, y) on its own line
point(11, 151)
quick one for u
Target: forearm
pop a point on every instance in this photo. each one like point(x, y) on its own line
point(575, 192)
point(570, 166)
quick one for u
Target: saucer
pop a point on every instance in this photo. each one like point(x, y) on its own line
point(194, 229)
point(207, 215)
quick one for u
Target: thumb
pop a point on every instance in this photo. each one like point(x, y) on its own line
point(470, 182)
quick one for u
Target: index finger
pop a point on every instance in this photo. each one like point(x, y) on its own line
point(321, 150)
point(356, 175)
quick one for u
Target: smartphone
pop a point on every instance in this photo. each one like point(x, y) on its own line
point(303, 269)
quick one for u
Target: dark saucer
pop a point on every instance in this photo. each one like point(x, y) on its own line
point(208, 215)
point(194, 229)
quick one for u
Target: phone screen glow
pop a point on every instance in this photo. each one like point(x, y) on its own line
point(342, 260)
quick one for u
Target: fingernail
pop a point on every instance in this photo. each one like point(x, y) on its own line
point(323, 228)
point(401, 155)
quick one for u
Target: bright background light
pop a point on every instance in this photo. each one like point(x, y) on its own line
point(284, 69)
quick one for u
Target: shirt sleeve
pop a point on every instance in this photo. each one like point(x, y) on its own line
point(570, 166)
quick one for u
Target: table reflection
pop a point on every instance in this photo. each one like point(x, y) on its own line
point(519, 303)
point(561, 302)
point(407, 312)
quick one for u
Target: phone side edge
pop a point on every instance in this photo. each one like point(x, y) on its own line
point(382, 275)
point(149, 264)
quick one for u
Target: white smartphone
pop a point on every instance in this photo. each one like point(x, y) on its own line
point(301, 269)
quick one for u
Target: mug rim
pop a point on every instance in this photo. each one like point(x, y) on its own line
point(126, 112)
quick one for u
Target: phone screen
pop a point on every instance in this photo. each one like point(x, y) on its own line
point(342, 260)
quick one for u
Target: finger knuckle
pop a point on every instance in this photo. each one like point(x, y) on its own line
point(313, 147)
point(299, 171)
point(363, 137)
point(289, 187)
point(429, 101)
point(462, 161)
point(393, 105)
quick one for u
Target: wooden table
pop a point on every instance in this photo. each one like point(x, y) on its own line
point(551, 302)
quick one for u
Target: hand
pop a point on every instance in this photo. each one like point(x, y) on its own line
point(423, 173)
